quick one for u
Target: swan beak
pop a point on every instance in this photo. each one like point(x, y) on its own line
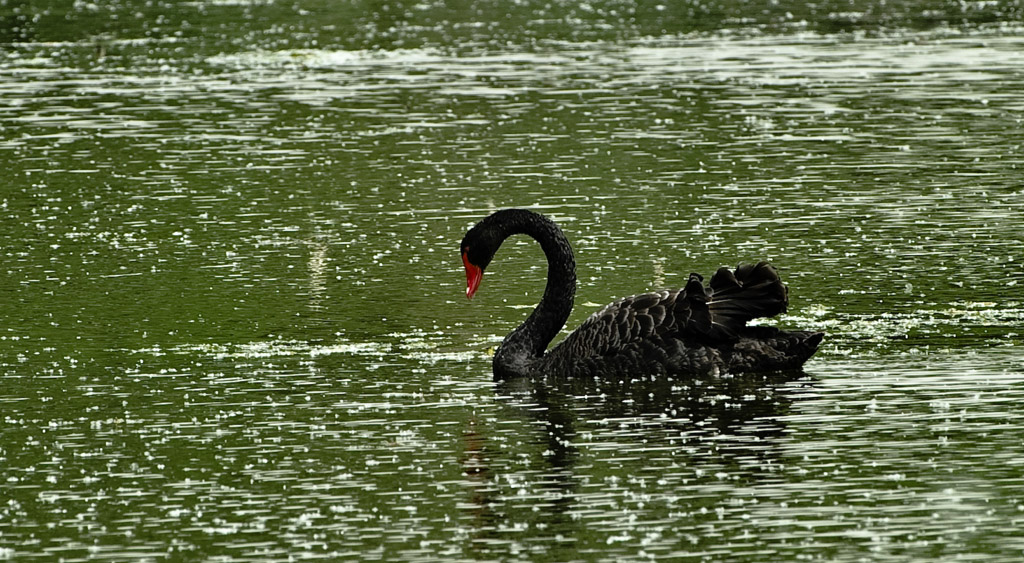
point(473, 276)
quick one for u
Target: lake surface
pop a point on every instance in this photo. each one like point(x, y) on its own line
point(232, 313)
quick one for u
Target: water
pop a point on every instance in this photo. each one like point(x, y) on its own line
point(233, 316)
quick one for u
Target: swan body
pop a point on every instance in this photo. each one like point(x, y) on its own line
point(694, 330)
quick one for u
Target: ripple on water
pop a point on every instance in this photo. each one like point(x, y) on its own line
point(236, 327)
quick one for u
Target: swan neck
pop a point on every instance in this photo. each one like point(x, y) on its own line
point(527, 343)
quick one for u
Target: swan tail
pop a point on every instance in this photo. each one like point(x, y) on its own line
point(762, 348)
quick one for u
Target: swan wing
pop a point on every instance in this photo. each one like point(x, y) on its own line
point(712, 313)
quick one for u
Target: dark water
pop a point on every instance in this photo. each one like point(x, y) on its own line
point(233, 323)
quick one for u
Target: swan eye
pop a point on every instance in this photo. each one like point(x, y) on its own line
point(470, 257)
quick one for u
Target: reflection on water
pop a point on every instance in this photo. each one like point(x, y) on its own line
point(858, 456)
point(233, 323)
point(880, 467)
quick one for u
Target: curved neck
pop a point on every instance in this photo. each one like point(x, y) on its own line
point(527, 343)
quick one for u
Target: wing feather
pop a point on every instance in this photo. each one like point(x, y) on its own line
point(713, 313)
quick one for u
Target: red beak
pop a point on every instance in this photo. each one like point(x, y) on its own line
point(473, 276)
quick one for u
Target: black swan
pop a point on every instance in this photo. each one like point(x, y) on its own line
point(693, 330)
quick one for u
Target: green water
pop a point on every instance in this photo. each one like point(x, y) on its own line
point(232, 313)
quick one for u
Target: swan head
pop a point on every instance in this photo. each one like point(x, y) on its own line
point(478, 248)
